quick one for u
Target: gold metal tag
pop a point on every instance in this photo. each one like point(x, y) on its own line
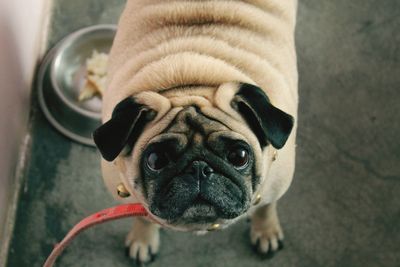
point(122, 191)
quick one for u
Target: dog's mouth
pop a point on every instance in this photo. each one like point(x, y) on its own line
point(201, 211)
point(186, 200)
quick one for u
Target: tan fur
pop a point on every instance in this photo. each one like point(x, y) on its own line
point(143, 240)
point(266, 229)
point(171, 54)
point(162, 44)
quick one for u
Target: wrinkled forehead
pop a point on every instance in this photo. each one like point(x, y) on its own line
point(191, 125)
point(191, 120)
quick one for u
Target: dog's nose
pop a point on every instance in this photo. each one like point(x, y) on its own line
point(200, 169)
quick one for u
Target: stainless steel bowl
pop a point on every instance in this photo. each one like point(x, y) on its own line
point(61, 77)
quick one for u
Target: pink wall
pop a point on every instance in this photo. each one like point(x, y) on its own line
point(22, 33)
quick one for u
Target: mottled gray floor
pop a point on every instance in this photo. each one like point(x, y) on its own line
point(343, 208)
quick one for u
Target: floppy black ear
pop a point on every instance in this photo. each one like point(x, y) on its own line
point(270, 124)
point(127, 122)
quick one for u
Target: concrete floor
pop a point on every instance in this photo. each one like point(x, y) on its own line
point(343, 208)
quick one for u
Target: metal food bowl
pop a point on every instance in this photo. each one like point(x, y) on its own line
point(62, 76)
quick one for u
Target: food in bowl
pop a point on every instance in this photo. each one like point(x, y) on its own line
point(96, 72)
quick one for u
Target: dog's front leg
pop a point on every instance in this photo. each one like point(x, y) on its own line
point(143, 241)
point(266, 232)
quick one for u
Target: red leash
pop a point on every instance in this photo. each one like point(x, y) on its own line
point(114, 213)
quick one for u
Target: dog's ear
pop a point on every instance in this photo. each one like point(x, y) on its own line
point(127, 122)
point(270, 124)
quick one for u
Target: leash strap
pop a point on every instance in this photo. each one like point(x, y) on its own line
point(114, 213)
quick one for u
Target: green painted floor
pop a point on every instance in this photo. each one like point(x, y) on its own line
point(343, 208)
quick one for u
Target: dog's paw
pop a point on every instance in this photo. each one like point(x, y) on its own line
point(266, 244)
point(266, 237)
point(142, 243)
point(267, 240)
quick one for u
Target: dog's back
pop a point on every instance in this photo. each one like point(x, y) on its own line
point(164, 44)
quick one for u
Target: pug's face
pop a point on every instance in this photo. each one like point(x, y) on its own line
point(198, 170)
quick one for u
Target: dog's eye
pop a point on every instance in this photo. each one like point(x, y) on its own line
point(157, 160)
point(239, 157)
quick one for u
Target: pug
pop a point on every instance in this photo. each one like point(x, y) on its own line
point(200, 116)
